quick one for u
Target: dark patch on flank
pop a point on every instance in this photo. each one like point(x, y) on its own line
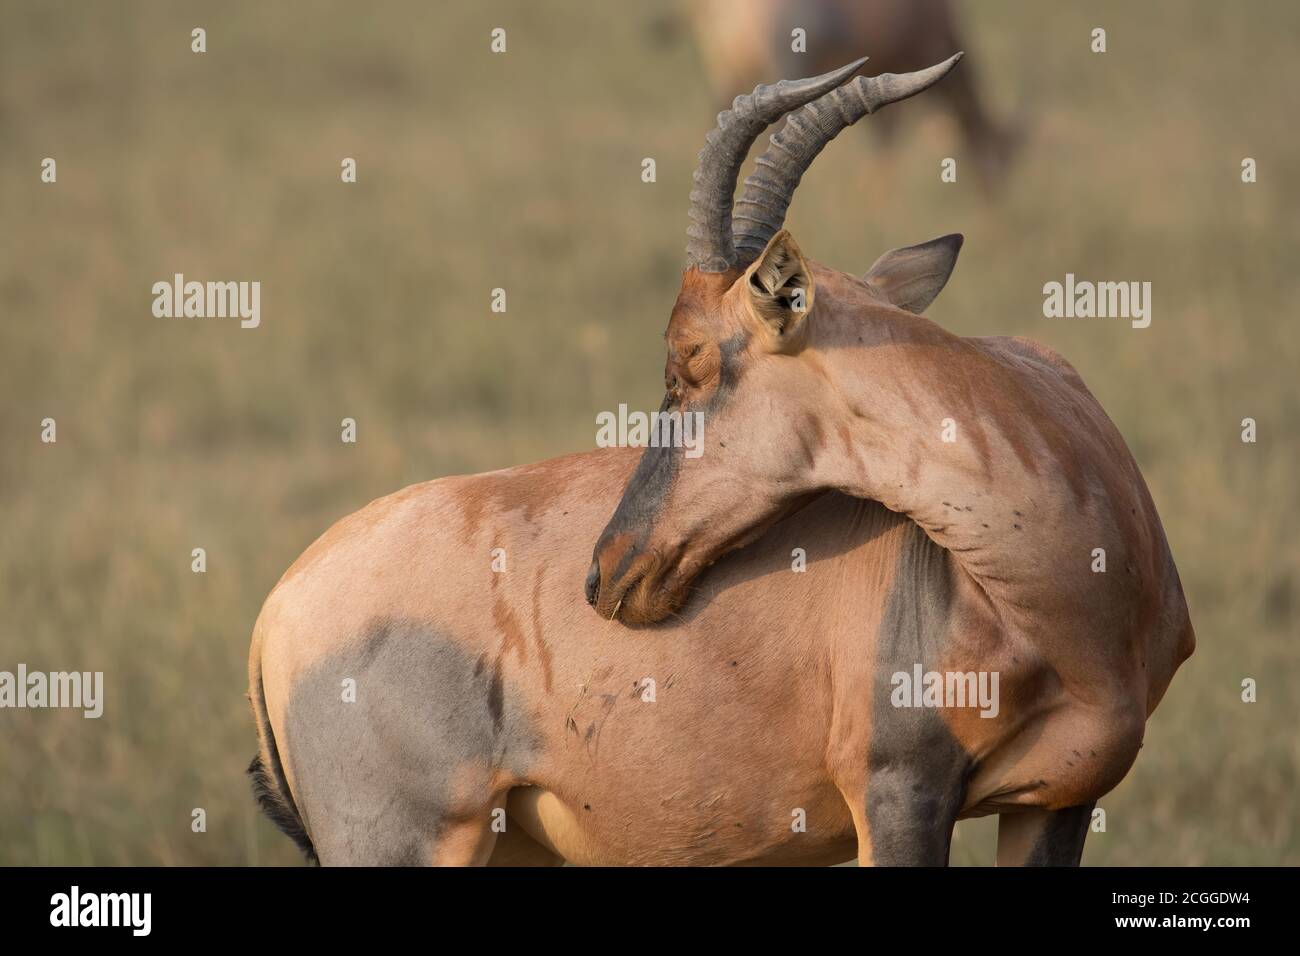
point(917, 771)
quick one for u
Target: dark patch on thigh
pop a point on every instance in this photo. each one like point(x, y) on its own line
point(917, 771)
point(432, 721)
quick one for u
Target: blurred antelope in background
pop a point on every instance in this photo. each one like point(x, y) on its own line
point(744, 41)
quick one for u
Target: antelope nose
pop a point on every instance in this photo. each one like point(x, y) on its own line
point(593, 582)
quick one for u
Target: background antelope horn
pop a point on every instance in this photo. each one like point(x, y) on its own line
point(760, 212)
point(709, 245)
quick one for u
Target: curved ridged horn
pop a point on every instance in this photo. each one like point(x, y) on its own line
point(709, 246)
point(760, 211)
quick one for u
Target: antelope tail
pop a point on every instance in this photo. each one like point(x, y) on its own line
point(269, 786)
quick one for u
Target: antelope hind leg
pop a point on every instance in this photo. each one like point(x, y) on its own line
point(401, 746)
point(410, 836)
point(1037, 837)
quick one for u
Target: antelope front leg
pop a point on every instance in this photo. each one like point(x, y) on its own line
point(907, 817)
point(915, 773)
point(905, 813)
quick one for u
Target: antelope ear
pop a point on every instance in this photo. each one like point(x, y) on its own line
point(778, 290)
point(912, 276)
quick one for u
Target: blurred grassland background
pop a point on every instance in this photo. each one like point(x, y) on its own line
point(523, 171)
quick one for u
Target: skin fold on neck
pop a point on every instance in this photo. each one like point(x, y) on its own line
point(995, 450)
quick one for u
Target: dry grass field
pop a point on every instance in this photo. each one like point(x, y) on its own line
point(522, 171)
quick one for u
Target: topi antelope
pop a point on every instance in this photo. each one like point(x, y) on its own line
point(420, 701)
point(1056, 571)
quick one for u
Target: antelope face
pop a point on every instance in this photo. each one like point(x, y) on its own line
point(736, 352)
point(735, 364)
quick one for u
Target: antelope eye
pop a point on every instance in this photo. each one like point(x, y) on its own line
point(686, 372)
point(700, 364)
